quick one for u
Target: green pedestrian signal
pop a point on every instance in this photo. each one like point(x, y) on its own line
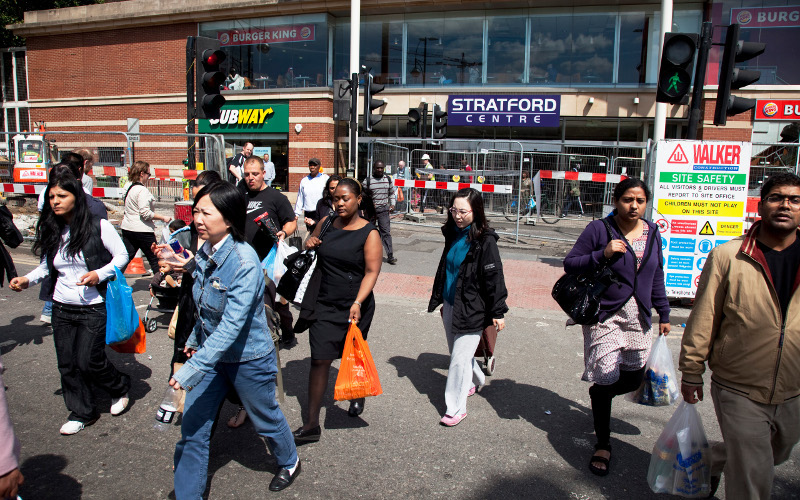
point(677, 61)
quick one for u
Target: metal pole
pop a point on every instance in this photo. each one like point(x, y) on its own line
point(190, 110)
point(355, 53)
point(660, 126)
point(706, 36)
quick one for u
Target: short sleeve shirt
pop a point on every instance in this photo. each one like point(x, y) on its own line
point(279, 209)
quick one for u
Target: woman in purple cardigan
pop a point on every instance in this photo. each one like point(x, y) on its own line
point(616, 348)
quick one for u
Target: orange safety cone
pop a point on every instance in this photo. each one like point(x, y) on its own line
point(136, 266)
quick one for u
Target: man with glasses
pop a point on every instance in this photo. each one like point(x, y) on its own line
point(745, 323)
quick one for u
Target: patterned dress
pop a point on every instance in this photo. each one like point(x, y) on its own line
point(622, 341)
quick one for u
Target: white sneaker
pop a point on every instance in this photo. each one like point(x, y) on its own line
point(71, 427)
point(118, 405)
point(45, 319)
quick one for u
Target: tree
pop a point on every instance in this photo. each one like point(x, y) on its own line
point(12, 12)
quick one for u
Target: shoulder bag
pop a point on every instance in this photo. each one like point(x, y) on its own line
point(579, 295)
point(299, 269)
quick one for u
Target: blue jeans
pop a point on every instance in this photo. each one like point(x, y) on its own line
point(254, 381)
point(47, 308)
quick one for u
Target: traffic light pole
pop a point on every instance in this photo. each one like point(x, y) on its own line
point(706, 37)
point(190, 109)
point(351, 170)
point(355, 53)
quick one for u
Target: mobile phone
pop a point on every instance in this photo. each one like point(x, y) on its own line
point(178, 249)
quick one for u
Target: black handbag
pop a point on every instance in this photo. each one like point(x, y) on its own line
point(579, 295)
point(297, 266)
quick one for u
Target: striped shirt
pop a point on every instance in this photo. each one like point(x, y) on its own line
point(383, 191)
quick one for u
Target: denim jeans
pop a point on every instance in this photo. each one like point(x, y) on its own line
point(47, 308)
point(79, 333)
point(254, 380)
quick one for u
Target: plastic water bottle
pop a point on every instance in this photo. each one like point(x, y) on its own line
point(169, 407)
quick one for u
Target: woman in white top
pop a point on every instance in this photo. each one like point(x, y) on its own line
point(137, 223)
point(79, 254)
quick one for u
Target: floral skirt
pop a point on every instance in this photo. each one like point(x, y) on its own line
point(621, 342)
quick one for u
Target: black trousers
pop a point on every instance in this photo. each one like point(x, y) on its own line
point(602, 395)
point(384, 228)
point(79, 333)
point(140, 241)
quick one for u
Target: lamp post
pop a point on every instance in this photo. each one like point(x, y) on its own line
point(415, 71)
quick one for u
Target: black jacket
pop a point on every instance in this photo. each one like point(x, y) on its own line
point(480, 287)
point(10, 235)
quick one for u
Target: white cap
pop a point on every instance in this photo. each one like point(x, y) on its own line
point(426, 156)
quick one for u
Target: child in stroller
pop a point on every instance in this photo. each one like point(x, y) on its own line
point(164, 287)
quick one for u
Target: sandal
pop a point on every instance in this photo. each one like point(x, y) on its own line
point(597, 459)
point(238, 419)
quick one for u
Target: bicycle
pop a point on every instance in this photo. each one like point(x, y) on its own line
point(510, 209)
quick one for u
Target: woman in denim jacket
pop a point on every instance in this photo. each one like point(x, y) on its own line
point(230, 346)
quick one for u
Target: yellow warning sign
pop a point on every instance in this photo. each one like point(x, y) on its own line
point(707, 231)
point(706, 208)
point(729, 228)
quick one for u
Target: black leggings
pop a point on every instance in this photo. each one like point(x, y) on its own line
point(140, 241)
point(601, 402)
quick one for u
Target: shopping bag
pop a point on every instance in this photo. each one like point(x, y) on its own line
point(173, 323)
point(282, 252)
point(122, 320)
point(660, 386)
point(358, 377)
point(268, 264)
point(400, 196)
point(137, 344)
point(681, 460)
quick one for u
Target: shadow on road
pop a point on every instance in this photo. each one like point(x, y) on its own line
point(422, 373)
point(19, 332)
point(519, 487)
point(44, 479)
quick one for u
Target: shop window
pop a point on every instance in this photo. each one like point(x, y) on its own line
point(505, 53)
point(443, 51)
point(632, 48)
point(381, 49)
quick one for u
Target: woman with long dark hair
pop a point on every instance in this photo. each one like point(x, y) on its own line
point(470, 286)
point(230, 346)
point(79, 254)
point(616, 348)
point(349, 256)
point(325, 204)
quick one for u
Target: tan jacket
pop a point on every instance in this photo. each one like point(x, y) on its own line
point(736, 325)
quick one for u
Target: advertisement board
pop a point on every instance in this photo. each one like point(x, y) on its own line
point(699, 203)
point(777, 109)
point(504, 110)
point(248, 117)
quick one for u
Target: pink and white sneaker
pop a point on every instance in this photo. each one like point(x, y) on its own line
point(449, 421)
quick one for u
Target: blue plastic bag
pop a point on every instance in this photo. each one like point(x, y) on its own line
point(268, 264)
point(122, 318)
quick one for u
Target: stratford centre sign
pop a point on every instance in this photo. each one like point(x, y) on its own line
point(504, 110)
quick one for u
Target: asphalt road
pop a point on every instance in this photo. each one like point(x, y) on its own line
point(528, 434)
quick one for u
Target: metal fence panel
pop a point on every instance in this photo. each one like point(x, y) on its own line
point(769, 159)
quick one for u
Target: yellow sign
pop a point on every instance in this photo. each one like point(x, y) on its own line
point(729, 228)
point(731, 209)
point(707, 231)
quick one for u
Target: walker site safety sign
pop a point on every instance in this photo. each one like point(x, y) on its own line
point(699, 202)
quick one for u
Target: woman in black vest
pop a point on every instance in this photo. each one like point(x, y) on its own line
point(80, 253)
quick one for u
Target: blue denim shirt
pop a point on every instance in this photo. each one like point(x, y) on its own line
point(231, 325)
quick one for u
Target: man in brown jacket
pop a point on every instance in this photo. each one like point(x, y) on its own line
point(746, 323)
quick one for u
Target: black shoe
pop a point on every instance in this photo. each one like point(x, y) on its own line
point(356, 407)
point(287, 340)
point(309, 436)
point(391, 260)
point(714, 486)
point(283, 479)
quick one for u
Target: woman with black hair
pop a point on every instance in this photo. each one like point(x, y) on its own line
point(79, 254)
point(469, 284)
point(616, 349)
point(230, 346)
point(349, 256)
point(325, 204)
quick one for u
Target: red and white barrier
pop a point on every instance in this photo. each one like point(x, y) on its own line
point(454, 186)
point(581, 176)
point(98, 192)
point(109, 171)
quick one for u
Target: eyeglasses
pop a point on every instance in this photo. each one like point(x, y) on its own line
point(778, 199)
point(147, 174)
point(456, 212)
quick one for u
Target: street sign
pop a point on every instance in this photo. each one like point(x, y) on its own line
point(133, 129)
point(700, 195)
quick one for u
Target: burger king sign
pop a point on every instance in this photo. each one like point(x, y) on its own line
point(777, 109)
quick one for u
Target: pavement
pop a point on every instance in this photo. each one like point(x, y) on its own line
point(528, 434)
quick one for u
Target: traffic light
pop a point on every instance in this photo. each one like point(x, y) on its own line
point(731, 77)
point(439, 122)
point(417, 120)
point(370, 89)
point(677, 59)
point(209, 77)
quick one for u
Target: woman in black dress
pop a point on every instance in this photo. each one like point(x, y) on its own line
point(350, 260)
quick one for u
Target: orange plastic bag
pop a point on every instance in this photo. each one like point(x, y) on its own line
point(358, 377)
point(137, 344)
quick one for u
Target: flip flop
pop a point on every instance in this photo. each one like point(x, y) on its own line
point(596, 459)
point(238, 419)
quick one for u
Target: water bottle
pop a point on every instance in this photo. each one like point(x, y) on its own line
point(169, 407)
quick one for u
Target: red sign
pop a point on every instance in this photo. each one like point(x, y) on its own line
point(767, 17)
point(678, 156)
point(777, 109)
point(663, 225)
point(684, 227)
point(272, 34)
point(697, 281)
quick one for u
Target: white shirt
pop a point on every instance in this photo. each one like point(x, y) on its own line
point(211, 250)
point(88, 183)
point(138, 212)
point(269, 172)
point(310, 193)
point(70, 270)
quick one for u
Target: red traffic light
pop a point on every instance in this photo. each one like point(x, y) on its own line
point(212, 59)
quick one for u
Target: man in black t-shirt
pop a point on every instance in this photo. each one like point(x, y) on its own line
point(236, 165)
point(261, 200)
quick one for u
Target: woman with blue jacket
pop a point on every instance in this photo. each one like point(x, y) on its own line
point(230, 346)
point(616, 349)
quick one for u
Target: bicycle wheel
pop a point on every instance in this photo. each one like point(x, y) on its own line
point(551, 212)
point(510, 210)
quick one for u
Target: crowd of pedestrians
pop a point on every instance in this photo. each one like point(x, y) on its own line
point(742, 324)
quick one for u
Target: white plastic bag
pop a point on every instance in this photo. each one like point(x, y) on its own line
point(681, 460)
point(284, 250)
point(660, 386)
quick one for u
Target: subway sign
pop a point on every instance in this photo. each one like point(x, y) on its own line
point(249, 117)
point(504, 110)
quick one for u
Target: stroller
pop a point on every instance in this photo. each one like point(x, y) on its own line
point(167, 298)
point(485, 349)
